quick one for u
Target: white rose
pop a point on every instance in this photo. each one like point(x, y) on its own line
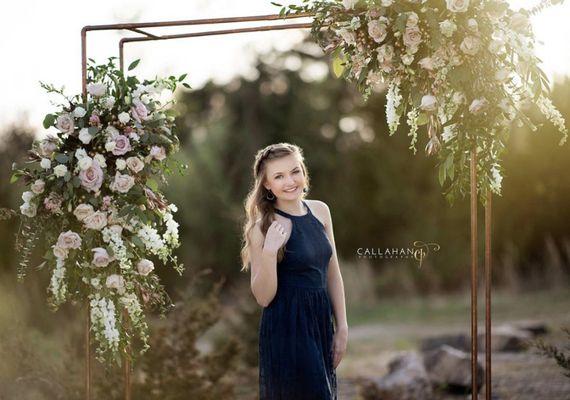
point(496, 46)
point(112, 131)
point(407, 59)
point(349, 4)
point(65, 123)
point(502, 75)
point(100, 159)
point(426, 63)
point(45, 163)
point(412, 20)
point(79, 112)
point(96, 89)
point(115, 282)
point(85, 163)
point(84, 136)
point(387, 3)
point(457, 5)
point(60, 170)
point(458, 98)
point(109, 102)
point(519, 22)
point(29, 209)
point(122, 183)
point(477, 105)
point(60, 252)
point(96, 221)
point(429, 103)
point(470, 45)
point(135, 164)
point(110, 146)
point(27, 196)
point(447, 27)
point(472, 24)
point(120, 164)
point(124, 117)
point(80, 153)
point(377, 30)
point(82, 211)
point(38, 186)
point(100, 257)
point(144, 267)
point(69, 240)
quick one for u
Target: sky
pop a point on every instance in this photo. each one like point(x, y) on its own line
point(40, 41)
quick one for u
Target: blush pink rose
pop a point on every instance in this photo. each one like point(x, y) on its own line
point(92, 177)
point(100, 257)
point(69, 240)
point(139, 111)
point(122, 145)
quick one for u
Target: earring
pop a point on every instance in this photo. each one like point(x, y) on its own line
point(305, 189)
point(272, 195)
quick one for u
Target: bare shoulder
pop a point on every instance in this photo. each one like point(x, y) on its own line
point(321, 210)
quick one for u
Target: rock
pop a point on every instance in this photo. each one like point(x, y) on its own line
point(458, 341)
point(535, 328)
point(406, 379)
point(504, 338)
point(450, 369)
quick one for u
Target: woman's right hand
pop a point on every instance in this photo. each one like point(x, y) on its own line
point(275, 237)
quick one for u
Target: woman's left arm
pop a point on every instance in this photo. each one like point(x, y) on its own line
point(335, 286)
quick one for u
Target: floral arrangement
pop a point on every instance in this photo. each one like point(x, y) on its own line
point(465, 69)
point(93, 193)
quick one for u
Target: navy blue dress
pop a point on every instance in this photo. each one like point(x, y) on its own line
point(296, 328)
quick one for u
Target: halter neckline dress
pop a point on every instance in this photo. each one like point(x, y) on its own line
point(296, 328)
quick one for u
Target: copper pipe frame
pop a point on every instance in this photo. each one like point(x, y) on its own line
point(136, 27)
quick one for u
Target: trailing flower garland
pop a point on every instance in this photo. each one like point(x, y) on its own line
point(94, 194)
point(465, 69)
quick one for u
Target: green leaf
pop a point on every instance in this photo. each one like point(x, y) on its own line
point(338, 66)
point(15, 177)
point(187, 86)
point(182, 77)
point(422, 119)
point(441, 174)
point(137, 242)
point(92, 130)
point(134, 64)
point(49, 120)
point(153, 184)
point(61, 158)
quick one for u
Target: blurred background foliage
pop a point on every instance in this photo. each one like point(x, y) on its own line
point(380, 195)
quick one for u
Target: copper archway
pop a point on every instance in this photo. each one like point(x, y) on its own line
point(146, 36)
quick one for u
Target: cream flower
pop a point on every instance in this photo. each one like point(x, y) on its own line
point(82, 211)
point(144, 267)
point(96, 221)
point(457, 5)
point(69, 240)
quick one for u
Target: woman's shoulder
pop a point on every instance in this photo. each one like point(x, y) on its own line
point(317, 204)
point(320, 209)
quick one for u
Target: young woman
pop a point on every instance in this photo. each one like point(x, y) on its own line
point(295, 277)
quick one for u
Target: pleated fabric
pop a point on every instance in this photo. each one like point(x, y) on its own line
point(296, 329)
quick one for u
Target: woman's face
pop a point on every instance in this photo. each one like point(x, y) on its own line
point(285, 178)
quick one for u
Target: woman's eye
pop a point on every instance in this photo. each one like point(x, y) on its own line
point(296, 172)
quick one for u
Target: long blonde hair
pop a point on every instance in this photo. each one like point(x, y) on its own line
point(257, 206)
